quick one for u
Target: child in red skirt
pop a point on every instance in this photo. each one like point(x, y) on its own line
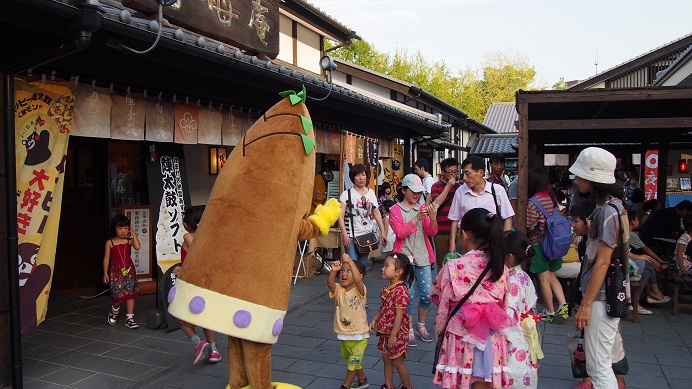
point(391, 323)
point(119, 270)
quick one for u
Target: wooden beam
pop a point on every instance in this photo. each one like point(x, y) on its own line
point(660, 93)
point(523, 168)
point(609, 124)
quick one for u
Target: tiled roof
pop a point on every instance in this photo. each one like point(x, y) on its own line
point(630, 64)
point(501, 117)
point(488, 144)
point(215, 51)
point(665, 73)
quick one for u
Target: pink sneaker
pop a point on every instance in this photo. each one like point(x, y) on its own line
point(215, 356)
point(201, 352)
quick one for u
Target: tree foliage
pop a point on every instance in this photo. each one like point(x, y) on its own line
point(472, 90)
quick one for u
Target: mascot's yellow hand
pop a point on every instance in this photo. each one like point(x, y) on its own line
point(326, 215)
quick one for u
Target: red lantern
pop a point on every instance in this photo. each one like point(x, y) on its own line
point(682, 166)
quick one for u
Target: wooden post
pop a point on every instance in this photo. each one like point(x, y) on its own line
point(523, 168)
point(662, 172)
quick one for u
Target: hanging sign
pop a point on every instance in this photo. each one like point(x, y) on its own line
point(168, 193)
point(251, 25)
point(43, 117)
point(651, 174)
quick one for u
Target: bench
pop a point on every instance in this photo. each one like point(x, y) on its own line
point(635, 289)
point(680, 282)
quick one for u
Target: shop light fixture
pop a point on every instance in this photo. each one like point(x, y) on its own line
point(682, 166)
point(217, 159)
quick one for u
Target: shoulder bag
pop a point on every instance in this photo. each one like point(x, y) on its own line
point(497, 205)
point(616, 276)
point(364, 243)
point(461, 302)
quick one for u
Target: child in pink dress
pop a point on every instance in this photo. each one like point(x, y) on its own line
point(473, 352)
point(523, 344)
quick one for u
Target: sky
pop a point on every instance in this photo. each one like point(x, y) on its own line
point(560, 38)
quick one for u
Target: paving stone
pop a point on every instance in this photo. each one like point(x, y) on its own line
point(38, 384)
point(98, 348)
point(42, 352)
point(67, 376)
point(676, 372)
point(101, 364)
point(37, 369)
point(635, 380)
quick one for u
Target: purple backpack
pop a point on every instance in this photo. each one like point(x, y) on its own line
point(558, 232)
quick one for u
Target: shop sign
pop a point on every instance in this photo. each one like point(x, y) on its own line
point(251, 25)
point(168, 194)
point(141, 225)
point(651, 174)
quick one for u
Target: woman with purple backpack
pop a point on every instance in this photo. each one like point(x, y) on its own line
point(548, 285)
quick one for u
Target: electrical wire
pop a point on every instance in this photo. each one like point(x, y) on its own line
point(158, 36)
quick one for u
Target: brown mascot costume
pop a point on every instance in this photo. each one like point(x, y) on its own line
point(237, 275)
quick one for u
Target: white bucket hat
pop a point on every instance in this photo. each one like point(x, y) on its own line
point(596, 165)
point(413, 182)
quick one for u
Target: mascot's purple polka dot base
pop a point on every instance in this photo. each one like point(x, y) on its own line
point(241, 318)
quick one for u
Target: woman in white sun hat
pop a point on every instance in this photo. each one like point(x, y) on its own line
point(594, 171)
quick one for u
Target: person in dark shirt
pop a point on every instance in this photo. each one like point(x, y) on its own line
point(665, 223)
point(442, 193)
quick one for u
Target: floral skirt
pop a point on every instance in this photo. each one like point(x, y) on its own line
point(400, 349)
point(454, 368)
point(123, 287)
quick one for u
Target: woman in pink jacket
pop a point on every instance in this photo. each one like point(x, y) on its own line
point(413, 224)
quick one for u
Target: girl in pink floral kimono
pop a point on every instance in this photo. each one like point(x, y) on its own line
point(523, 345)
point(473, 351)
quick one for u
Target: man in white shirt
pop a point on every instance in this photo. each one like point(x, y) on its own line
point(477, 193)
point(421, 169)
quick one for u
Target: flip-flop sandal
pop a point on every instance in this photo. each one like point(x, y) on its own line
point(644, 311)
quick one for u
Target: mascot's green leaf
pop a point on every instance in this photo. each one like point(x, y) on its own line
point(295, 97)
point(308, 144)
point(307, 124)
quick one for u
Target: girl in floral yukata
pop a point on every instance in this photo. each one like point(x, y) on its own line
point(473, 353)
point(523, 345)
point(392, 323)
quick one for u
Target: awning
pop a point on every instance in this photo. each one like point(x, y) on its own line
point(488, 144)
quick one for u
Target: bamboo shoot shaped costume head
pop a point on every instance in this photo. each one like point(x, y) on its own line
point(256, 213)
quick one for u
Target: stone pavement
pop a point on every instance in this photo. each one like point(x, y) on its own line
point(76, 348)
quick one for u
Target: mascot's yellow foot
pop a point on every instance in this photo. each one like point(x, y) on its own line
point(275, 385)
point(326, 215)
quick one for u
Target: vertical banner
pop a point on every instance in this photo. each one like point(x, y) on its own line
point(168, 195)
point(43, 118)
point(231, 128)
point(160, 121)
point(209, 132)
point(350, 148)
point(127, 117)
point(92, 112)
point(141, 225)
point(651, 174)
point(186, 123)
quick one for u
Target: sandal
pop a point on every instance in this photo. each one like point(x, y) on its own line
point(644, 311)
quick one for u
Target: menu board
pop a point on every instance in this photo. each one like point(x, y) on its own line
point(141, 225)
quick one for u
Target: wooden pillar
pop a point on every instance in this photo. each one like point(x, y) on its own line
point(662, 172)
point(408, 163)
point(523, 168)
